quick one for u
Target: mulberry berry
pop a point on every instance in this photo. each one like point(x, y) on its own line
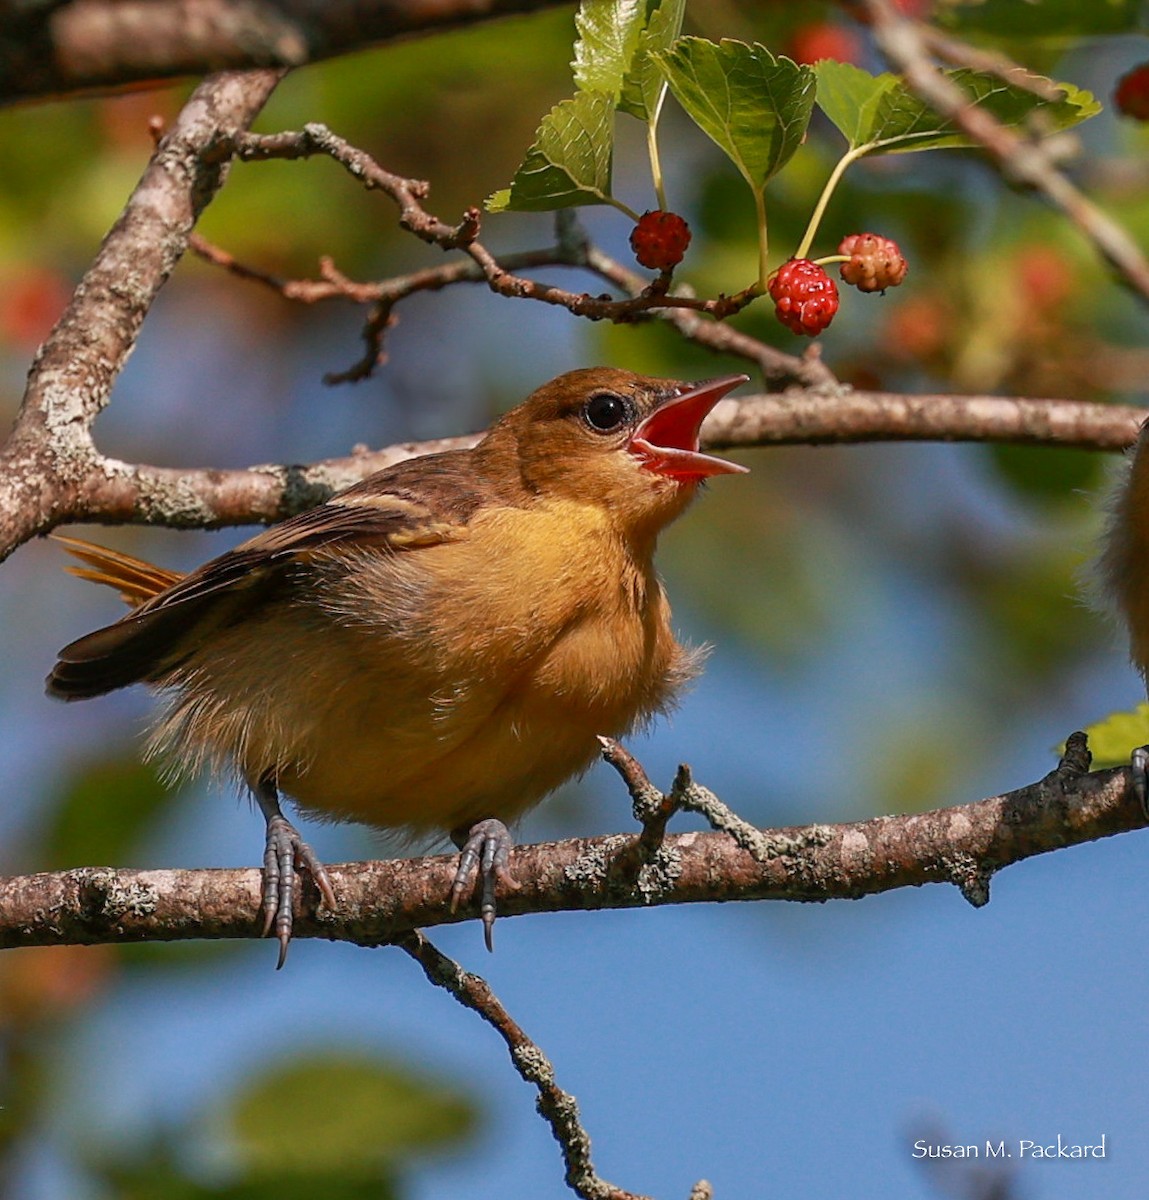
point(659, 239)
point(875, 263)
point(805, 297)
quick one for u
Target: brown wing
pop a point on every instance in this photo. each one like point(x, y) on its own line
point(412, 505)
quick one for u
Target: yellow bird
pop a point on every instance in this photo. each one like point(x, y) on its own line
point(433, 649)
point(1123, 568)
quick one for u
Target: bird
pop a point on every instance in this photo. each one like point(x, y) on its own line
point(434, 649)
point(1120, 577)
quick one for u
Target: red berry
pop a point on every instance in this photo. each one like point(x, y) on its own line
point(805, 297)
point(823, 39)
point(659, 239)
point(1131, 96)
point(875, 263)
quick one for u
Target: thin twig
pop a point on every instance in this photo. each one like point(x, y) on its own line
point(643, 297)
point(558, 1108)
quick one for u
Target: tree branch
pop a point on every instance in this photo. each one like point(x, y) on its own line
point(51, 472)
point(384, 901)
point(115, 492)
point(60, 47)
point(1021, 159)
point(50, 455)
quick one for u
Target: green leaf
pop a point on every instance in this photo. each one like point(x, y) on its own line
point(608, 35)
point(850, 96)
point(879, 114)
point(105, 808)
point(755, 106)
point(644, 87)
point(353, 1117)
point(1051, 19)
point(1113, 737)
point(570, 161)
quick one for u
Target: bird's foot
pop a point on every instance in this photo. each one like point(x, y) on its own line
point(285, 852)
point(1139, 765)
point(485, 847)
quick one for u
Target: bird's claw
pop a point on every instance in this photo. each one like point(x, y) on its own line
point(286, 851)
point(484, 848)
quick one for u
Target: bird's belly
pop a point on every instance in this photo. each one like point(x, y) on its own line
point(390, 782)
point(490, 747)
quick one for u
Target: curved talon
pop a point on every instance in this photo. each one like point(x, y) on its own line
point(286, 851)
point(484, 848)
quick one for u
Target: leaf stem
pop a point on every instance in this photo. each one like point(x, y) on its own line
point(824, 199)
point(655, 162)
point(763, 236)
point(622, 207)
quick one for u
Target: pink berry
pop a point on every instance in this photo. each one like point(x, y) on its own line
point(875, 263)
point(805, 297)
point(659, 239)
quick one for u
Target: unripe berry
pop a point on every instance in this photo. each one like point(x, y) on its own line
point(659, 239)
point(875, 263)
point(1131, 95)
point(805, 297)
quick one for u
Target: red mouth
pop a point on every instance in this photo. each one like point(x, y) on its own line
point(667, 441)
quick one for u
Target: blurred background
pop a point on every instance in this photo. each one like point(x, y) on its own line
point(893, 627)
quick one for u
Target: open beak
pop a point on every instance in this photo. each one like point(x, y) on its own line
point(667, 441)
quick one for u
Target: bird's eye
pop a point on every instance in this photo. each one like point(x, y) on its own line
point(604, 412)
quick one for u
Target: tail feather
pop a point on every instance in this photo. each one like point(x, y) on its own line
point(135, 579)
point(129, 650)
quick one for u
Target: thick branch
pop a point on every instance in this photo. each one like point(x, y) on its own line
point(383, 901)
point(115, 492)
point(57, 47)
point(50, 453)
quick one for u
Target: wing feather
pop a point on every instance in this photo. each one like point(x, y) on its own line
point(399, 510)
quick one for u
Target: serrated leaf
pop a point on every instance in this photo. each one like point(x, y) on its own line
point(608, 35)
point(645, 85)
point(754, 106)
point(849, 97)
point(880, 114)
point(570, 161)
point(1113, 737)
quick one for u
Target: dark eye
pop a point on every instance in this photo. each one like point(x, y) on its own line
point(604, 412)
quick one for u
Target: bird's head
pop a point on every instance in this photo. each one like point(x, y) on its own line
point(613, 438)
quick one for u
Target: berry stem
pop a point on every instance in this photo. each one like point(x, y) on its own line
point(824, 199)
point(831, 258)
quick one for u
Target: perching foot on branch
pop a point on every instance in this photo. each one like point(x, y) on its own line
point(284, 851)
point(485, 848)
